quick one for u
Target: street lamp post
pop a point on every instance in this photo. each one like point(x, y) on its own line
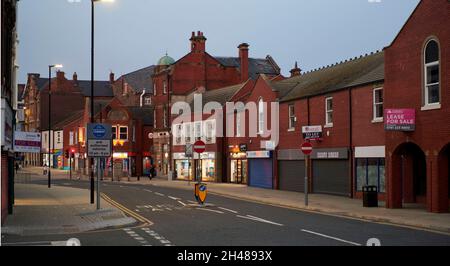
point(92, 87)
point(50, 120)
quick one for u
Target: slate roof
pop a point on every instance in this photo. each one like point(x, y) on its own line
point(355, 72)
point(256, 65)
point(143, 113)
point(141, 79)
point(101, 88)
point(222, 96)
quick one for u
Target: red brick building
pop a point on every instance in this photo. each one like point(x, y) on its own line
point(198, 70)
point(343, 105)
point(131, 143)
point(418, 78)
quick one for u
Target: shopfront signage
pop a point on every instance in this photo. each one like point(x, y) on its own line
point(329, 154)
point(400, 120)
point(259, 154)
point(312, 133)
point(28, 142)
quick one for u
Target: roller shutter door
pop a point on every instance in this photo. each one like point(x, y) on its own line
point(331, 177)
point(292, 175)
point(260, 173)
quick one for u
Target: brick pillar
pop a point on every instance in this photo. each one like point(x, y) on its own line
point(439, 183)
point(394, 181)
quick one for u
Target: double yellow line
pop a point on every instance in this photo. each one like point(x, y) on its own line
point(131, 213)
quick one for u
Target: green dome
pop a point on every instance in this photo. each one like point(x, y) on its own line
point(166, 61)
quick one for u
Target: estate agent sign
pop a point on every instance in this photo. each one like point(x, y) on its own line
point(400, 119)
point(312, 133)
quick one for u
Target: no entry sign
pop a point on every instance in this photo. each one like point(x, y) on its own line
point(199, 147)
point(307, 148)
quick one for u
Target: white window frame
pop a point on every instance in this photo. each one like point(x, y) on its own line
point(377, 119)
point(165, 120)
point(164, 87)
point(261, 116)
point(198, 134)
point(120, 137)
point(187, 133)
point(210, 134)
point(327, 112)
point(238, 124)
point(178, 134)
point(148, 100)
point(155, 119)
point(291, 117)
point(427, 104)
point(154, 89)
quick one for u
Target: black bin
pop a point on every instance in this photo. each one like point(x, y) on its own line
point(370, 196)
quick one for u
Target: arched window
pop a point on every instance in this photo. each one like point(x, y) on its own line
point(261, 118)
point(431, 70)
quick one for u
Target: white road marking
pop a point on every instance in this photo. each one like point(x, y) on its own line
point(165, 241)
point(228, 210)
point(174, 198)
point(169, 209)
point(182, 203)
point(210, 210)
point(148, 190)
point(330, 237)
point(160, 194)
point(193, 202)
point(139, 238)
point(253, 218)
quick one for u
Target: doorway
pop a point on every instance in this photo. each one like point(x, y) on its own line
point(238, 173)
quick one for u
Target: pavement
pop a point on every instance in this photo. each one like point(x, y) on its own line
point(411, 216)
point(39, 210)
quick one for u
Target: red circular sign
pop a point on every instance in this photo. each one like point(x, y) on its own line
point(307, 148)
point(199, 147)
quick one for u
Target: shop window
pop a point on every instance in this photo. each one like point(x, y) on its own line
point(431, 69)
point(378, 109)
point(370, 172)
point(329, 111)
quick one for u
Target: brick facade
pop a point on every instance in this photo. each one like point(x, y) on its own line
point(428, 145)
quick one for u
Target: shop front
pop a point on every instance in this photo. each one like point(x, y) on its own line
point(203, 167)
point(291, 170)
point(260, 169)
point(183, 167)
point(331, 171)
point(370, 169)
point(238, 171)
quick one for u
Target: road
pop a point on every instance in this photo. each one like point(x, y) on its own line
point(177, 220)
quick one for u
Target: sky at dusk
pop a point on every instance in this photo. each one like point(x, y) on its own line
point(132, 34)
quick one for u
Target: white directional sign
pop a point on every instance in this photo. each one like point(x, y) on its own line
point(99, 140)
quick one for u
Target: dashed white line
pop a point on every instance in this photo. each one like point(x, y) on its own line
point(182, 203)
point(257, 219)
point(228, 210)
point(209, 210)
point(331, 237)
point(160, 194)
point(148, 190)
point(174, 198)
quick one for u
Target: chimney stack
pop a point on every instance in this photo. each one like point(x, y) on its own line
point(296, 71)
point(111, 77)
point(243, 56)
point(60, 75)
point(75, 76)
point(198, 42)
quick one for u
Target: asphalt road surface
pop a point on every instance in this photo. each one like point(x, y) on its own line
point(178, 221)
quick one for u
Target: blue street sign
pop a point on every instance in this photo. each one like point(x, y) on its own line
point(99, 131)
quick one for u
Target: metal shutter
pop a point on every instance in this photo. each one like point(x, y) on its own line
point(292, 175)
point(331, 177)
point(260, 173)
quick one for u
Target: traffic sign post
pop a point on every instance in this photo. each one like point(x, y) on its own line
point(307, 149)
point(99, 146)
point(200, 189)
